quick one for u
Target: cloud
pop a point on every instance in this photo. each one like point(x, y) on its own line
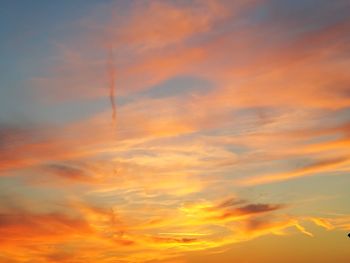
point(167, 23)
point(112, 78)
point(230, 202)
point(24, 228)
point(30, 146)
point(106, 229)
point(156, 185)
point(153, 51)
point(69, 172)
point(321, 166)
point(257, 208)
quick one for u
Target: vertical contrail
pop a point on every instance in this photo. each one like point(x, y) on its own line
point(112, 79)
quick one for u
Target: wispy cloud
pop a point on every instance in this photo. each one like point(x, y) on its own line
point(217, 102)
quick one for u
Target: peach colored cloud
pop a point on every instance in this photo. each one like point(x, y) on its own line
point(150, 187)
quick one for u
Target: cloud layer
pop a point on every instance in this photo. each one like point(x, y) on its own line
point(213, 105)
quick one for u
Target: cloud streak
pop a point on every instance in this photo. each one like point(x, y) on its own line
point(112, 82)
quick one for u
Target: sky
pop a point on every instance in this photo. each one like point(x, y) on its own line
point(174, 131)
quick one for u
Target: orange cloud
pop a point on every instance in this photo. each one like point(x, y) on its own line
point(149, 189)
point(322, 166)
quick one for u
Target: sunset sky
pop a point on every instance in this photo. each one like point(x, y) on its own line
point(180, 131)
